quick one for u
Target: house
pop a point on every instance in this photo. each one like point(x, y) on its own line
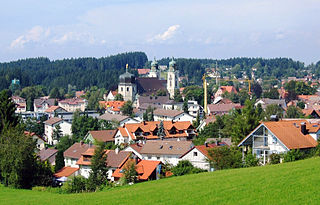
point(117, 119)
point(223, 89)
point(222, 109)
point(146, 170)
point(73, 104)
point(143, 72)
point(166, 151)
point(111, 95)
point(43, 103)
point(311, 113)
point(50, 126)
point(54, 110)
point(40, 142)
point(20, 102)
point(73, 154)
point(112, 107)
point(171, 115)
point(204, 122)
point(115, 159)
point(193, 107)
point(66, 173)
point(149, 131)
point(199, 157)
point(135, 148)
point(266, 101)
point(100, 135)
point(48, 154)
point(280, 137)
point(80, 93)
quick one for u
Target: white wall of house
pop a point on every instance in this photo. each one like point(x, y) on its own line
point(119, 139)
point(40, 142)
point(197, 159)
point(171, 159)
point(70, 162)
point(127, 121)
point(183, 117)
point(85, 171)
point(49, 129)
point(130, 149)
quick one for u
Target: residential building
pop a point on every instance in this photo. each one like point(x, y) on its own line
point(117, 119)
point(100, 136)
point(65, 174)
point(206, 121)
point(50, 126)
point(111, 95)
point(199, 157)
point(193, 107)
point(73, 154)
point(222, 109)
point(112, 107)
point(146, 170)
point(266, 101)
point(166, 151)
point(54, 110)
point(20, 102)
point(48, 154)
point(172, 115)
point(150, 130)
point(115, 159)
point(280, 137)
point(43, 103)
point(223, 89)
point(40, 142)
point(143, 102)
point(73, 104)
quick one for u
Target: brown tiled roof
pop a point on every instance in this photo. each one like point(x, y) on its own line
point(117, 160)
point(143, 71)
point(76, 150)
point(38, 102)
point(53, 121)
point(52, 108)
point(137, 147)
point(72, 101)
point(228, 89)
point(167, 147)
point(222, 108)
point(153, 99)
point(110, 117)
point(65, 172)
point(169, 113)
point(202, 148)
point(150, 85)
point(210, 118)
point(45, 154)
point(289, 133)
point(103, 135)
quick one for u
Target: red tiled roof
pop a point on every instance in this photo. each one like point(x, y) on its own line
point(289, 133)
point(228, 89)
point(65, 172)
point(52, 108)
point(143, 71)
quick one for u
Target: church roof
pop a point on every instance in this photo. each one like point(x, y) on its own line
point(150, 85)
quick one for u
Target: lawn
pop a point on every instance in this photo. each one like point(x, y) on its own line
point(289, 183)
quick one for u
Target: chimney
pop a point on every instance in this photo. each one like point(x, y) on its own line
point(144, 122)
point(117, 150)
point(206, 144)
point(81, 143)
point(303, 128)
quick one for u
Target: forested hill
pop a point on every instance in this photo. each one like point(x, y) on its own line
point(79, 72)
point(104, 72)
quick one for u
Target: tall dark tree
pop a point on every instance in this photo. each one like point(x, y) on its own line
point(127, 108)
point(7, 111)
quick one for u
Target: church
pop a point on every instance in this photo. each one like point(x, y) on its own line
point(131, 87)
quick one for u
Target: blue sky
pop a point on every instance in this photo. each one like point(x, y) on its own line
point(197, 29)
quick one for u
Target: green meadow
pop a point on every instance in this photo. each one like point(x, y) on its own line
point(288, 183)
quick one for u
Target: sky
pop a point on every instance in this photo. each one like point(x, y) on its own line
point(216, 29)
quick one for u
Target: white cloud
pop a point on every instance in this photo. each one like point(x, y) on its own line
point(36, 34)
point(169, 33)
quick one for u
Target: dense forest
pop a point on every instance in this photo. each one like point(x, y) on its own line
point(103, 72)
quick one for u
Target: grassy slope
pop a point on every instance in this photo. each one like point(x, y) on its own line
point(294, 183)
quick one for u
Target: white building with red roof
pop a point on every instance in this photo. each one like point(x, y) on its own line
point(73, 104)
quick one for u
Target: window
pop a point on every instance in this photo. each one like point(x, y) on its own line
point(149, 157)
point(274, 140)
point(121, 88)
point(195, 154)
point(128, 89)
point(158, 158)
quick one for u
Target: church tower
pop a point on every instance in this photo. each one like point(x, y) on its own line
point(154, 72)
point(172, 78)
point(127, 86)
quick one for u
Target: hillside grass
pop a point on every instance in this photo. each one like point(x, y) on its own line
point(289, 183)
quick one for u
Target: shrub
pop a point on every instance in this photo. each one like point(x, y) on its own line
point(185, 167)
point(274, 158)
point(251, 160)
point(225, 157)
point(76, 185)
point(293, 155)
